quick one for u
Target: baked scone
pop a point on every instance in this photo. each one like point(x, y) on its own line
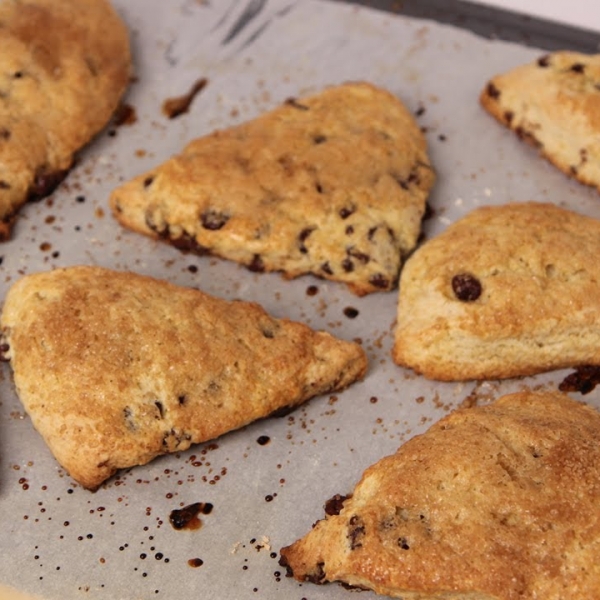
point(554, 104)
point(64, 65)
point(334, 184)
point(496, 502)
point(505, 291)
point(116, 368)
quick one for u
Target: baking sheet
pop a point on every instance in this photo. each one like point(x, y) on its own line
point(268, 482)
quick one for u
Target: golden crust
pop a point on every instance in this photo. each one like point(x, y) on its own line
point(491, 503)
point(65, 65)
point(333, 184)
point(115, 368)
point(554, 104)
point(539, 306)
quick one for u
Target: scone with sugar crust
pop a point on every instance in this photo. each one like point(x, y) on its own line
point(496, 502)
point(64, 66)
point(505, 291)
point(116, 368)
point(553, 103)
point(333, 184)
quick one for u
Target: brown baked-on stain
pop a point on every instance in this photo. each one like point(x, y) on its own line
point(584, 380)
point(187, 517)
point(174, 107)
point(124, 115)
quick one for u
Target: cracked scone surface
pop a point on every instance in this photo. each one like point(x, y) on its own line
point(505, 291)
point(553, 103)
point(64, 65)
point(116, 368)
point(334, 184)
point(496, 502)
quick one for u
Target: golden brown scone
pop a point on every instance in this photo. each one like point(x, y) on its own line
point(554, 104)
point(333, 184)
point(503, 292)
point(116, 368)
point(64, 65)
point(491, 503)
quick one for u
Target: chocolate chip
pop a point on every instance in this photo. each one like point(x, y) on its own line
point(578, 67)
point(4, 133)
point(4, 185)
point(347, 265)
point(293, 102)
point(493, 91)
point(543, 61)
point(360, 256)
point(334, 505)
point(379, 281)
point(356, 532)
point(318, 575)
point(4, 349)
point(466, 287)
point(186, 243)
point(326, 268)
point(403, 543)
point(302, 237)
point(45, 183)
point(509, 115)
point(213, 220)
point(346, 211)
point(583, 380)
point(148, 181)
point(257, 265)
point(319, 139)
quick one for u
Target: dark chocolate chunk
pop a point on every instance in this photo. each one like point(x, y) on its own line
point(213, 220)
point(334, 505)
point(583, 380)
point(302, 237)
point(348, 265)
point(356, 532)
point(466, 287)
point(257, 265)
point(493, 91)
point(45, 183)
point(544, 61)
point(326, 268)
point(403, 543)
point(379, 281)
point(293, 102)
point(186, 243)
point(346, 211)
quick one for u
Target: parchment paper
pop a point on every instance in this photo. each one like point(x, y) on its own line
point(62, 542)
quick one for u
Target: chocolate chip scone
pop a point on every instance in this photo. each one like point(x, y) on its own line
point(497, 502)
point(115, 368)
point(334, 184)
point(554, 104)
point(64, 65)
point(505, 291)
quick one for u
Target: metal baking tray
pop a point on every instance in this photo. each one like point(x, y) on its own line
point(266, 483)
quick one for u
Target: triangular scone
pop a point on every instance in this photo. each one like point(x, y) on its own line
point(64, 65)
point(491, 503)
point(554, 104)
point(333, 184)
point(505, 291)
point(116, 368)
